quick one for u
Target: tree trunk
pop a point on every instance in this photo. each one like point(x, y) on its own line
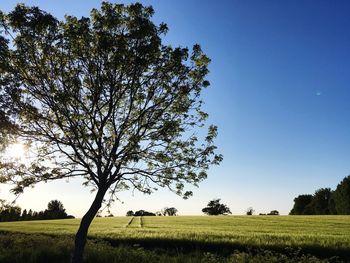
point(80, 237)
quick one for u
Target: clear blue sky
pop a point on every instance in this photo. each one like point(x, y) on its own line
point(280, 95)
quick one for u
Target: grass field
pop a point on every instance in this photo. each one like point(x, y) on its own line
point(322, 236)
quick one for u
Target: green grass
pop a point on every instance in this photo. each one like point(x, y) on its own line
point(323, 236)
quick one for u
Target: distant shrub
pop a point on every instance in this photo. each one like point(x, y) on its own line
point(143, 213)
point(273, 213)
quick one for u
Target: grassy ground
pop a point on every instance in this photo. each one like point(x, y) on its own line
point(322, 236)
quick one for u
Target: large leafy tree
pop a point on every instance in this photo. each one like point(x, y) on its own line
point(302, 205)
point(101, 97)
point(321, 201)
point(342, 197)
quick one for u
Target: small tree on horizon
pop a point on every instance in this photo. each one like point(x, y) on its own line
point(214, 207)
point(273, 213)
point(102, 98)
point(130, 213)
point(250, 211)
point(169, 211)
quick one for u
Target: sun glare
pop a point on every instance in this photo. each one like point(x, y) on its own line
point(16, 150)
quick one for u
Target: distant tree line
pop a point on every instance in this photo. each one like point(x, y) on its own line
point(166, 211)
point(324, 201)
point(55, 210)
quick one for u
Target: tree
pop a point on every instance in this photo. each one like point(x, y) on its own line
point(24, 215)
point(7, 93)
point(169, 211)
point(9, 212)
point(273, 213)
point(250, 211)
point(30, 214)
point(55, 210)
point(130, 213)
point(342, 197)
point(331, 205)
point(103, 98)
point(35, 216)
point(321, 201)
point(215, 208)
point(158, 213)
point(143, 213)
point(302, 205)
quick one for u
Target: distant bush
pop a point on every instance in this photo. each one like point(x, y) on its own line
point(143, 213)
point(273, 213)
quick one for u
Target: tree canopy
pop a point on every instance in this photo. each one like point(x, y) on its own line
point(214, 207)
point(342, 197)
point(250, 211)
point(102, 98)
point(302, 205)
point(325, 201)
point(55, 210)
point(169, 211)
point(130, 213)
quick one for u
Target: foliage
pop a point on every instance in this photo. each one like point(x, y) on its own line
point(55, 210)
point(273, 213)
point(102, 98)
point(169, 211)
point(342, 197)
point(215, 208)
point(302, 205)
point(325, 201)
point(321, 201)
point(8, 92)
point(143, 213)
point(9, 212)
point(250, 211)
point(130, 213)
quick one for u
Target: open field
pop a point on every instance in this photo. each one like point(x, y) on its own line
point(322, 236)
